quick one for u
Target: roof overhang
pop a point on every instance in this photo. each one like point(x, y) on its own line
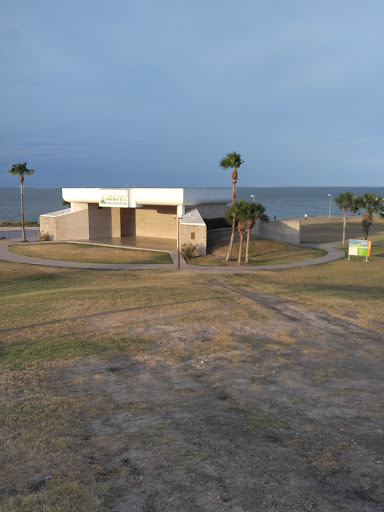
point(152, 196)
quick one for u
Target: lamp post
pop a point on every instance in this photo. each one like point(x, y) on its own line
point(330, 205)
point(253, 197)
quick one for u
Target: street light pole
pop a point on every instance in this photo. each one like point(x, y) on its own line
point(178, 241)
point(178, 238)
point(330, 205)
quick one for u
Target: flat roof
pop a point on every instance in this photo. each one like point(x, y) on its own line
point(152, 196)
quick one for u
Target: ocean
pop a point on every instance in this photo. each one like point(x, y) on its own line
point(284, 202)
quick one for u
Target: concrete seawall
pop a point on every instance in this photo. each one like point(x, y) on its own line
point(283, 230)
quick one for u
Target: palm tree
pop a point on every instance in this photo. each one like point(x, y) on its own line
point(21, 170)
point(255, 212)
point(371, 204)
point(233, 161)
point(347, 202)
point(238, 212)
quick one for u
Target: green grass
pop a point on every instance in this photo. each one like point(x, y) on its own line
point(51, 349)
point(321, 230)
point(88, 253)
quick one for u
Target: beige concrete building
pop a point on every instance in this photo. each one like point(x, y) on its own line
point(98, 213)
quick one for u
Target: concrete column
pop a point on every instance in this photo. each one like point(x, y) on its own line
point(115, 222)
point(180, 210)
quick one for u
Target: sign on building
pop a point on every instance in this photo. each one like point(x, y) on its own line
point(359, 248)
point(118, 198)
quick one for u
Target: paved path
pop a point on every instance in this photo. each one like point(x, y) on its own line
point(332, 254)
point(10, 233)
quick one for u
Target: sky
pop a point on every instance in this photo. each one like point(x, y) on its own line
point(116, 93)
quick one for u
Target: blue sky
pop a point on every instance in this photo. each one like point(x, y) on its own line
point(149, 93)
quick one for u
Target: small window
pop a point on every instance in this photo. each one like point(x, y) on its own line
point(193, 235)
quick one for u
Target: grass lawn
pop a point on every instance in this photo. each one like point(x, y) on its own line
point(321, 230)
point(261, 252)
point(171, 390)
point(90, 253)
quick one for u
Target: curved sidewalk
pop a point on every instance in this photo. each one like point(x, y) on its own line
point(332, 254)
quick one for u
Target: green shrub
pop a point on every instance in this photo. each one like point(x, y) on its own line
point(17, 223)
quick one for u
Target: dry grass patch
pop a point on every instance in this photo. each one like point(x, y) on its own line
point(88, 253)
point(261, 252)
point(71, 497)
point(40, 432)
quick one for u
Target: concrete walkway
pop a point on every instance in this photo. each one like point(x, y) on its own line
point(10, 233)
point(332, 254)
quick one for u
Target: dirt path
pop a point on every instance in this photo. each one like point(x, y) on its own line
point(285, 415)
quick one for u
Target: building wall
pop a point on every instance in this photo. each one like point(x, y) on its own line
point(69, 226)
point(116, 222)
point(125, 214)
point(99, 221)
point(284, 230)
point(75, 207)
point(195, 234)
point(209, 211)
point(156, 221)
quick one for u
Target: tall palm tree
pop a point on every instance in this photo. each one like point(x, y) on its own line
point(21, 171)
point(238, 212)
point(347, 202)
point(232, 161)
point(371, 204)
point(256, 211)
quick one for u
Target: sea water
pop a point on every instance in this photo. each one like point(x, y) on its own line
point(36, 202)
point(288, 202)
point(284, 202)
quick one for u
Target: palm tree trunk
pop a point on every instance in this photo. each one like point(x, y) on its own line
point(247, 248)
point(230, 247)
point(344, 226)
point(250, 226)
point(22, 207)
point(241, 247)
point(234, 180)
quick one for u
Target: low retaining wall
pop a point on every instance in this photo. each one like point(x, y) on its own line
point(284, 230)
point(65, 225)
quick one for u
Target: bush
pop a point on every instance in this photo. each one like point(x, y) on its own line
point(189, 251)
point(216, 223)
point(45, 237)
point(17, 223)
